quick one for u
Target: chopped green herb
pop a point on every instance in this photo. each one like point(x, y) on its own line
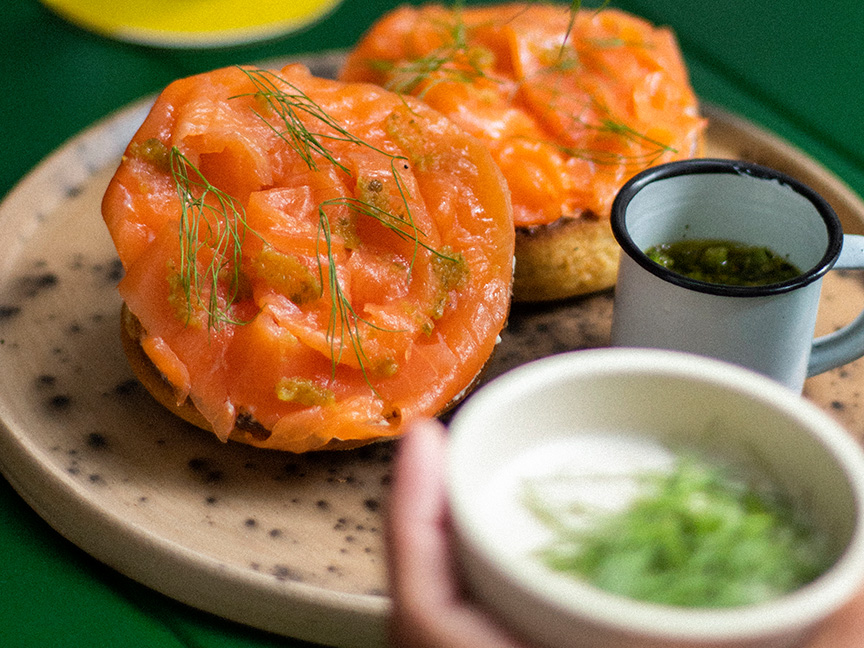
point(723, 262)
point(153, 151)
point(697, 537)
point(304, 392)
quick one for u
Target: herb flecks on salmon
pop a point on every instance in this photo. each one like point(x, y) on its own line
point(286, 266)
point(286, 274)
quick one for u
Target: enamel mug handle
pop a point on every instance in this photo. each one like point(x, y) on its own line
point(846, 344)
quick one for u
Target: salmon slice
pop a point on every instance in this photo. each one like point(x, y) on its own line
point(310, 263)
point(569, 111)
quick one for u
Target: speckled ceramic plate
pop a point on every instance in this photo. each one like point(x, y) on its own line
point(289, 544)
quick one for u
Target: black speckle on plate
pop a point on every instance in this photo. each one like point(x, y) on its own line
point(96, 441)
point(127, 388)
point(206, 472)
point(285, 573)
point(291, 470)
point(115, 271)
point(59, 402)
point(73, 191)
point(45, 381)
point(8, 311)
point(32, 284)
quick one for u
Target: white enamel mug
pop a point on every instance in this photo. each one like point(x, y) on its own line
point(767, 328)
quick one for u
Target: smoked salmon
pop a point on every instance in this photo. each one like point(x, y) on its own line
point(570, 103)
point(308, 263)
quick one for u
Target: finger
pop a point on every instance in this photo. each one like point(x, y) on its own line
point(843, 630)
point(417, 526)
point(429, 610)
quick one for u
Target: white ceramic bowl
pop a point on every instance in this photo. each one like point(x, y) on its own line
point(668, 396)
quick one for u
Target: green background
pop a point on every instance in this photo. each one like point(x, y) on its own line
point(795, 68)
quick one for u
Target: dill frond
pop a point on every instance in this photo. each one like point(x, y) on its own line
point(457, 60)
point(574, 8)
point(651, 149)
point(212, 230)
point(344, 320)
point(289, 105)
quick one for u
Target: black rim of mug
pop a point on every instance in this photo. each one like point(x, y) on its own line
point(736, 167)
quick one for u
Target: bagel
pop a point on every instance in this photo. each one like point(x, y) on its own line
point(309, 264)
point(571, 105)
point(246, 430)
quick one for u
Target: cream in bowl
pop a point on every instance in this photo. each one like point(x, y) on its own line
point(559, 468)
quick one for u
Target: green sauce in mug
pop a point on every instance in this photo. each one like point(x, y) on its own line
point(723, 262)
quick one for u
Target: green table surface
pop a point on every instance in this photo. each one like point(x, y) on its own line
point(794, 68)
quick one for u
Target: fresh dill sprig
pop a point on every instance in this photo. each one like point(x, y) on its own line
point(573, 9)
point(631, 135)
point(290, 105)
point(654, 149)
point(456, 60)
point(344, 320)
point(212, 221)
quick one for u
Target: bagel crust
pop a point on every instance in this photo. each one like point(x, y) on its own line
point(149, 376)
point(570, 256)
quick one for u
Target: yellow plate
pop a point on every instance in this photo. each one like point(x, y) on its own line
point(192, 23)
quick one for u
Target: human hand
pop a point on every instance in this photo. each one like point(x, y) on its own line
point(430, 608)
point(844, 630)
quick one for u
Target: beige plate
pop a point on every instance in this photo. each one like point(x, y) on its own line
point(284, 543)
